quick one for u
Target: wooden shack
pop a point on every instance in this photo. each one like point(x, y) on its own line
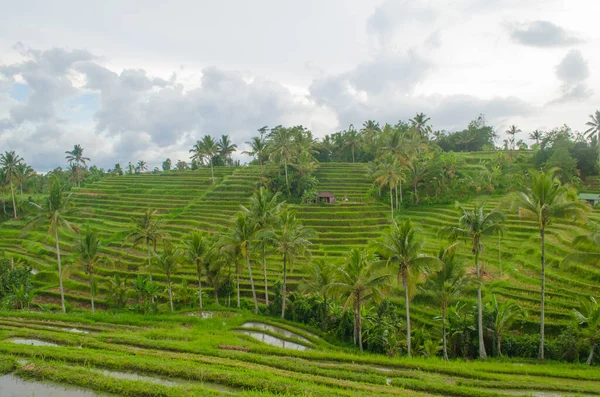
point(326, 197)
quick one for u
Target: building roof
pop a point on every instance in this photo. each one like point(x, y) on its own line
point(589, 196)
point(326, 194)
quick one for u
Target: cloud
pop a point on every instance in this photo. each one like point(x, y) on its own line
point(391, 96)
point(392, 15)
point(573, 71)
point(542, 34)
point(130, 114)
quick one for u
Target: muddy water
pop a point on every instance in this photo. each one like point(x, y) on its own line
point(273, 341)
point(31, 342)
point(274, 329)
point(167, 382)
point(12, 386)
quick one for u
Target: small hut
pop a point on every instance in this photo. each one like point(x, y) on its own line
point(326, 197)
point(591, 198)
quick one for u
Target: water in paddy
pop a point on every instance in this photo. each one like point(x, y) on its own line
point(274, 329)
point(31, 342)
point(273, 341)
point(12, 386)
point(167, 382)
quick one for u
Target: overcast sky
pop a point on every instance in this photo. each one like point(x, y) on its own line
point(142, 80)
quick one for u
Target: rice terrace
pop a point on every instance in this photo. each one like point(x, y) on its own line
point(267, 198)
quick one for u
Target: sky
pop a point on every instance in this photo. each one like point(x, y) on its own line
point(143, 80)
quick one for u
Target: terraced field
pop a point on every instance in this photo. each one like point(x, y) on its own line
point(220, 355)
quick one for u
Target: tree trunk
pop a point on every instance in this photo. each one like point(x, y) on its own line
point(287, 182)
point(264, 264)
point(499, 344)
point(542, 235)
point(212, 174)
point(591, 356)
point(237, 275)
point(92, 290)
point(60, 280)
point(12, 193)
point(170, 291)
point(353, 159)
point(324, 314)
point(216, 294)
point(406, 297)
point(284, 289)
point(482, 354)
point(354, 333)
point(392, 203)
point(396, 196)
point(444, 337)
point(359, 322)
point(200, 287)
point(252, 283)
point(400, 184)
point(500, 255)
point(21, 189)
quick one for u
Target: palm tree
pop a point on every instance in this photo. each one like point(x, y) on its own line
point(58, 207)
point(594, 125)
point(141, 166)
point(264, 210)
point(258, 148)
point(9, 162)
point(291, 242)
point(205, 150)
point(351, 140)
point(198, 248)
point(537, 136)
point(389, 172)
point(22, 173)
point(473, 226)
point(76, 156)
point(147, 230)
point(240, 237)
point(88, 255)
point(225, 147)
point(360, 279)
point(319, 282)
point(512, 131)
point(401, 246)
point(505, 314)
point(281, 148)
point(588, 319)
point(546, 199)
point(419, 123)
point(168, 262)
point(446, 284)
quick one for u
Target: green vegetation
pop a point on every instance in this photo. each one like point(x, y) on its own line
point(509, 278)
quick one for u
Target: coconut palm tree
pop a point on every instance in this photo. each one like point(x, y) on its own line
point(545, 200)
point(419, 123)
point(280, 149)
point(588, 319)
point(205, 150)
point(512, 131)
point(504, 316)
point(473, 226)
point(264, 210)
point(361, 279)
point(198, 247)
point(258, 148)
point(445, 285)
point(291, 242)
point(226, 148)
point(9, 161)
point(240, 237)
point(22, 173)
point(88, 256)
point(351, 140)
point(57, 207)
point(168, 261)
point(76, 157)
point(537, 136)
point(390, 173)
point(594, 125)
point(318, 282)
point(401, 246)
point(141, 166)
point(147, 230)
